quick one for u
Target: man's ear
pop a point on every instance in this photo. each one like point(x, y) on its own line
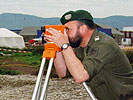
point(83, 28)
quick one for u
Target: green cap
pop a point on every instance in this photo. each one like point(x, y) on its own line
point(76, 15)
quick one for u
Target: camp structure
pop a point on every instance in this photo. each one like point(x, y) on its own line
point(29, 33)
point(10, 39)
point(117, 35)
point(115, 32)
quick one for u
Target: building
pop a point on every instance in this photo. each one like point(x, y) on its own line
point(29, 33)
point(117, 35)
point(127, 28)
point(128, 33)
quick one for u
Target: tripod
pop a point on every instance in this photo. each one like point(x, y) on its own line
point(49, 53)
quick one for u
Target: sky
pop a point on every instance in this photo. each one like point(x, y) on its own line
point(56, 8)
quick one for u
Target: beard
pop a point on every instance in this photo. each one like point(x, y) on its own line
point(76, 40)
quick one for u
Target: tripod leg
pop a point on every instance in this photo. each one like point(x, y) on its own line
point(38, 82)
point(89, 91)
point(43, 94)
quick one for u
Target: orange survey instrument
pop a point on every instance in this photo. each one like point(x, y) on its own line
point(50, 49)
point(57, 27)
point(49, 53)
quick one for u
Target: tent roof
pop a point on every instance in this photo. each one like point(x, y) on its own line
point(7, 33)
point(30, 30)
point(114, 31)
point(10, 39)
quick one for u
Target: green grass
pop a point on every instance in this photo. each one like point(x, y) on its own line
point(27, 58)
point(32, 58)
point(8, 72)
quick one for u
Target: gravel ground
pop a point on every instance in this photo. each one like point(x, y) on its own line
point(20, 87)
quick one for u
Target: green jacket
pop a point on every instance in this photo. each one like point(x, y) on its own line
point(111, 75)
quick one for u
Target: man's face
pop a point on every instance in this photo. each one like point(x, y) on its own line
point(73, 32)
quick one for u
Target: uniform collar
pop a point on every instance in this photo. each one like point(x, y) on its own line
point(93, 38)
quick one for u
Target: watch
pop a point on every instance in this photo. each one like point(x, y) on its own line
point(65, 46)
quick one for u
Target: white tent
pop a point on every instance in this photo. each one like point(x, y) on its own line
point(10, 39)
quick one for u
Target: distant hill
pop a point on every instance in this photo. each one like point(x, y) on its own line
point(116, 21)
point(18, 21)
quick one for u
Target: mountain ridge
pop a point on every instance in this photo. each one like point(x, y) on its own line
point(19, 21)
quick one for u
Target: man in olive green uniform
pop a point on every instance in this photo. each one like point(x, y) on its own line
point(110, 71)
point(96, 59)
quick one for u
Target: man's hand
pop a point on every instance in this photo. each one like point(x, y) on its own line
point(57, 37)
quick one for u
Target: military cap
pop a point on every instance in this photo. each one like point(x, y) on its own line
point(76, 15)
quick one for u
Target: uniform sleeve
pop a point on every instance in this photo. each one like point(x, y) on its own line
point(96, 58)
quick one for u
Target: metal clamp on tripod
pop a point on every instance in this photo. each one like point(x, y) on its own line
point(49, 53)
